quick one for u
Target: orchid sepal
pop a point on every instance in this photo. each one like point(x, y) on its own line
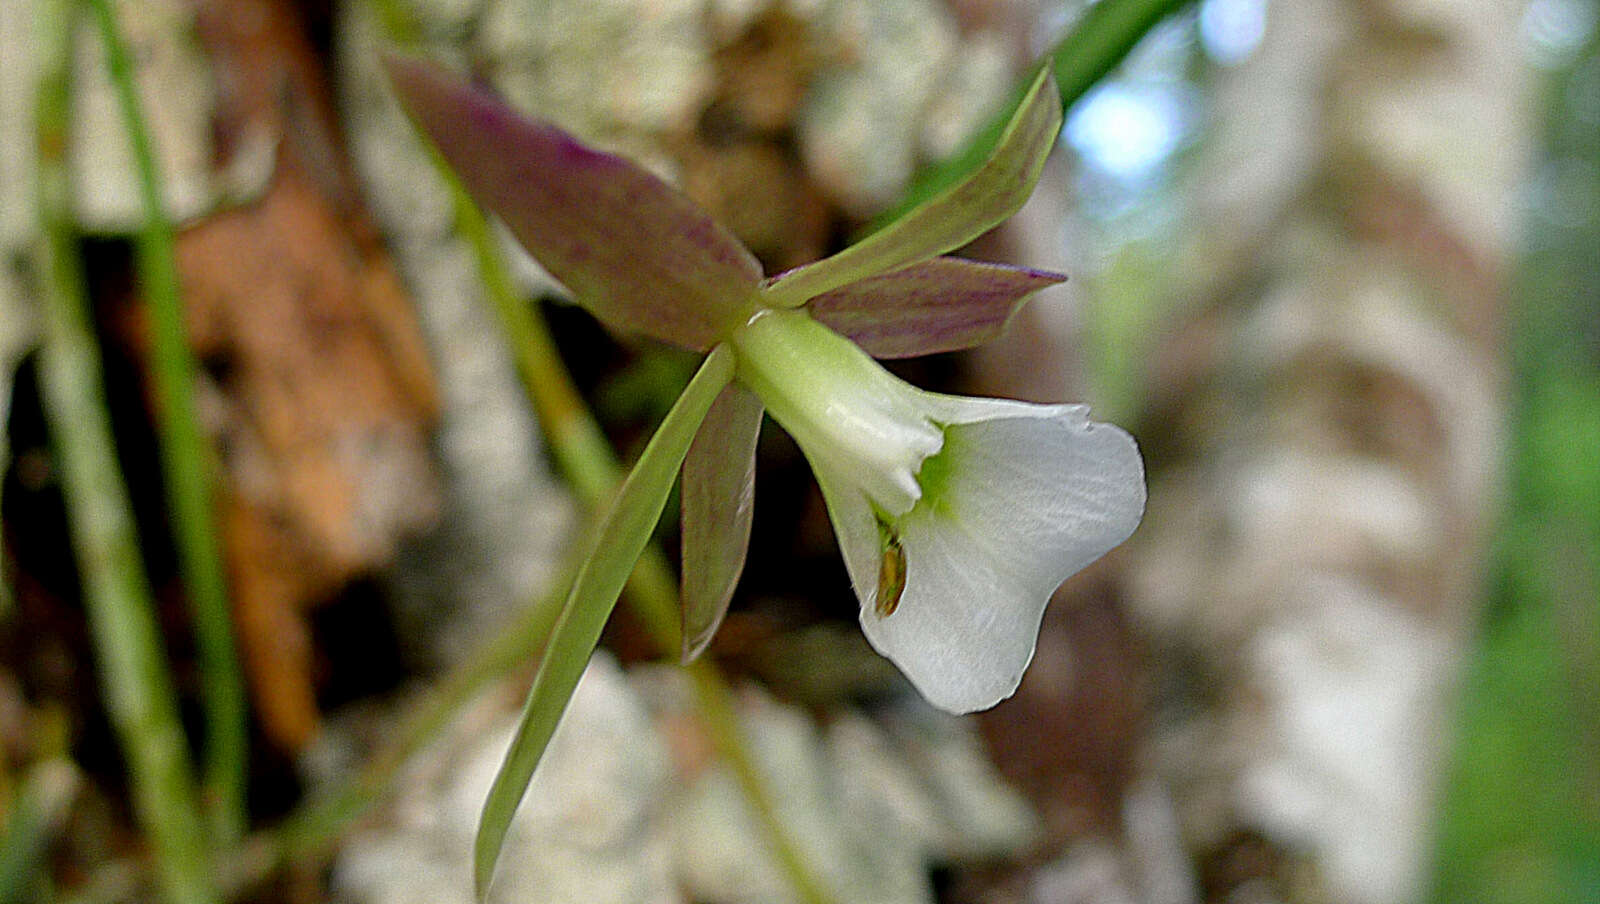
point(643, 258)
point(633, 250)
point(942, 304)
point(981, 200)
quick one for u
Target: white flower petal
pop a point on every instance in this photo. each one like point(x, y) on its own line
point(970, 511)
point(856, 528)
point(1022, 497)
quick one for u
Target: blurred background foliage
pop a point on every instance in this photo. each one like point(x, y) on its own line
point(1520, 819)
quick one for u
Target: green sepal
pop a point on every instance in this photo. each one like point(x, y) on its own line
point(985, 197)
point(614, 548)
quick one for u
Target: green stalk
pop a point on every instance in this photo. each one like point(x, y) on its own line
point(185, 465)
point(1098, 42)
point(1087, 54)
point(138, 689)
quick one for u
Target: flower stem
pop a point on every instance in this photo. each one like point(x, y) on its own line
point(138, 688)
point(1099, 41)
point(185, 463)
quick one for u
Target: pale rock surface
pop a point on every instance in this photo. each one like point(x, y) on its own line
point(981, 71)
point(871, 804)
point(618, 73)
point(905, 82)
point(174, 83)
point(18, 224)
point(1091, 872)
point(896, 82)
point(1143, 863)
point(1313, 546)
point(1353, 682)
point(590, 829)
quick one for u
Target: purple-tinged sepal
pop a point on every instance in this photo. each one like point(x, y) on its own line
point(944, 304)
point(634, 250)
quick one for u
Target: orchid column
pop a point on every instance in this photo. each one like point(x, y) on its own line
point(957, 517)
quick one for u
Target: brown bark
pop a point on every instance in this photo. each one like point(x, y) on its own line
point(324, 391)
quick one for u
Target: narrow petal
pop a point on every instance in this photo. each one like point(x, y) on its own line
point(1020, 498)
point(939, 305)
point(980, 201)
point(719, 489)
point(633, 250)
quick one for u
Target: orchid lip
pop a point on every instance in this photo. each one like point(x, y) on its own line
point(1020, 497)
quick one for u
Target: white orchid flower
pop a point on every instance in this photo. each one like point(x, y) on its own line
point(957, 517)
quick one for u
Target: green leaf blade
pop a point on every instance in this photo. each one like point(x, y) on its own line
point(615, 548)
point(184, 461)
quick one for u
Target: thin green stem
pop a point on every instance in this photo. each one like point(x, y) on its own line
point(1099, 41)
point(1089, 51)
point(138, 688)
point(185, 463)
